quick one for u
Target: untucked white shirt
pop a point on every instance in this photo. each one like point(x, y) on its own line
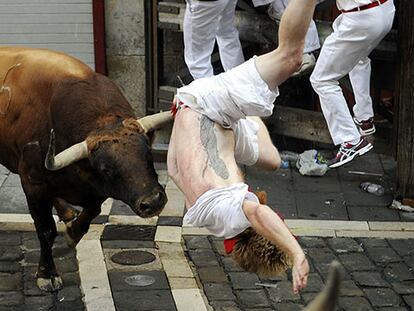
point(351, 4)
point(221, 211)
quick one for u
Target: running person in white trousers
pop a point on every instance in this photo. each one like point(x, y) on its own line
point(357, 31)
point(206, 21)
point(212, 133)
point(275, 12)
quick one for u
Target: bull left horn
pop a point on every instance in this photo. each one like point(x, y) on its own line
point(66, 157)
point(155, 121)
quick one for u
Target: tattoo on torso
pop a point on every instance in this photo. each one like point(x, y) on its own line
point(209, 141)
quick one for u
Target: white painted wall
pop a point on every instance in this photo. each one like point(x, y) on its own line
point(62, 25)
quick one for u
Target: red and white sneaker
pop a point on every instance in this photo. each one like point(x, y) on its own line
point(349, 151)
point(366, 127)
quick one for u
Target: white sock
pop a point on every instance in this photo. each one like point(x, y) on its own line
point(354, 142)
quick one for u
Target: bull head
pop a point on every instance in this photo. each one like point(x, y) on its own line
point(121, 161)
point(80, 151)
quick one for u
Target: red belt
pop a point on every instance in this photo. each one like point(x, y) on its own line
point(365, 7)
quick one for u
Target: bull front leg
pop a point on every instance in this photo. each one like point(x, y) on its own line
point(47, 277)
point(40, 207)
point(79, 226)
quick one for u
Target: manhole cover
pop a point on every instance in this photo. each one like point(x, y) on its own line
point(133, 258)
point(140, 280)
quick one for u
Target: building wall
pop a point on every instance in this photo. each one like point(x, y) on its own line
point(125, 49)
point(59, 25)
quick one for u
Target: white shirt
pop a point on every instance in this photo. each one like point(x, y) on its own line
point(220, 210)
point(351, 4)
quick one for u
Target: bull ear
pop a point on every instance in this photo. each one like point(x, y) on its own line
point(66, 157)
point(156, 121)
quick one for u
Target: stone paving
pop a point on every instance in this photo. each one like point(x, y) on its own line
point(336, 195)
point(19, 255)
point(129, 263)
point(134, 268)
point(377, 275)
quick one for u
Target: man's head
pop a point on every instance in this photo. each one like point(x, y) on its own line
point(254, 253)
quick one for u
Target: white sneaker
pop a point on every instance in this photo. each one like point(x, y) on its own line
point(308, 63)
point(347, 152)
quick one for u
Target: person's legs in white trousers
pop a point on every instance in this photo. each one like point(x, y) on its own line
point(360, 77)
point(355, 35)
point(230, 49)
point(202, 23)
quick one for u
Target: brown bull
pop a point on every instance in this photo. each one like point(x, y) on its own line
point(104, 151)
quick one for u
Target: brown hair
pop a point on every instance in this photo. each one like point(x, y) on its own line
point(254, 253)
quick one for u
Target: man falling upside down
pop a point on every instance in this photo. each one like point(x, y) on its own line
point(216, 126)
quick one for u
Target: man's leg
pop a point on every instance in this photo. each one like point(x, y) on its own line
point(200, 26)
point(275, 11)
point(334, 62)
point(360, 77)
point(276, 66)
point(350, 42)
point(312, 37)
point(231, 53)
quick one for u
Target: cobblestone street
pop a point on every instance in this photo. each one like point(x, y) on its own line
point(19, 255)
point(130, 263)
point(377, 275)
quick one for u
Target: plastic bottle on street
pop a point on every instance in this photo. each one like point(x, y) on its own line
point(284, 164)
point(372, 188)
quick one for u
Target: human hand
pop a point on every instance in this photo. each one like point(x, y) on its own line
point(300, 272)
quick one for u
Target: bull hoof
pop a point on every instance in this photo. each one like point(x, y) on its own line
point(50, 285)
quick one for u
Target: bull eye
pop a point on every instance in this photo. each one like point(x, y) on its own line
point(105, 170)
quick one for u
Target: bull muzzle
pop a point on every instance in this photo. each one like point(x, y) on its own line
point(150, 205)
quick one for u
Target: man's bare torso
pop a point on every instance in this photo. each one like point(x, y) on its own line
point(203, 154)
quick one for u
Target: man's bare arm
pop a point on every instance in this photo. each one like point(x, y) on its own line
point(267, 223)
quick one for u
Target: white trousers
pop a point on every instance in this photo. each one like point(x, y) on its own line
point(312, 37)
point(204, 23)
point(344, 52)
point(227, 99)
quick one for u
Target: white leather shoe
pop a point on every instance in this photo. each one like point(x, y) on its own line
point(308, 63)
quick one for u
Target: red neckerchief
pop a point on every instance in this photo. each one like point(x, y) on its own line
point(230, 243)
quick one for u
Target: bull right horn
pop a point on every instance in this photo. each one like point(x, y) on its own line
point(327, 299)
point(66, 157)
point(155, 121)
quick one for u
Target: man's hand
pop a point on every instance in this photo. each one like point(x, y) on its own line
point(300, 272)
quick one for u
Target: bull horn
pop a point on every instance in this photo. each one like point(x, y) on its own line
point(155, 121)
point(327, 299)
point(66, 157)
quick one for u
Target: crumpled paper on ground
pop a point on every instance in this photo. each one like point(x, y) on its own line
point(311, 163)
point(400, 207)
